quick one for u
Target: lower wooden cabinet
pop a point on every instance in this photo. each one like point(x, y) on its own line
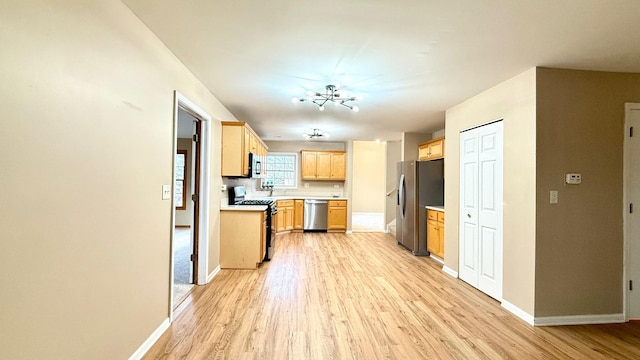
point(337, 217)
point(435, 233)
point(284, 217)
point(298, 214)
point(290, 216)
point(242, 239)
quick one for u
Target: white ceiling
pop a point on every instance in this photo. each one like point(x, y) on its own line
point(409, 59)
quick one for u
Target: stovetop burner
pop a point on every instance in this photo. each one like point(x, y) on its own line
point(257, 202)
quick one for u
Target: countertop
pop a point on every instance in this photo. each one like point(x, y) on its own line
point(436, 208)
point(304, 197)
point(243, 208)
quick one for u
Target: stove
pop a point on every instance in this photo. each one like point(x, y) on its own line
point(237, 197)
point(271, 204)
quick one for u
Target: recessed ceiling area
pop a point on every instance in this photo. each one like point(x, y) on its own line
point(410, 60)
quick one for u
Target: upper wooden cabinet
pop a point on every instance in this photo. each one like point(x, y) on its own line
point(323, 165)
point(432, 149)
point(238, 140)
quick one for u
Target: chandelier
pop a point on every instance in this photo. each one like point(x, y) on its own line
point(316, 134)
point(331, 94)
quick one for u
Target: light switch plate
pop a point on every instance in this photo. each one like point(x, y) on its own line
point(553, 197)
point(166, 192)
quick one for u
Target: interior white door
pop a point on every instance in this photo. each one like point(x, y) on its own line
point(632, 184)
point(490, 161)
point(468, 248)
point(481, 185)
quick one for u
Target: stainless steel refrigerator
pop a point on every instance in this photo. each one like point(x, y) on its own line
point(420, 183)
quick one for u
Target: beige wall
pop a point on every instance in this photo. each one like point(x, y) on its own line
point(513, 101)
point(183, 217)
point(86, 243)
point(579, 241)
point(394, 155)
point(410, 142)
point(369, 177)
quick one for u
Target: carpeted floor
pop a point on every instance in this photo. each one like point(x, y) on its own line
point(182, 267)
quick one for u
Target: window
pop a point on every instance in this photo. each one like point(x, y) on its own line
point(180, 194)
point(282, 168)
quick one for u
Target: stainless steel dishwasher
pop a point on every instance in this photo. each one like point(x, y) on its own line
point(315, 215)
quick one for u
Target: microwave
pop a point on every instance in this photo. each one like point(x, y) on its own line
point(255, 166)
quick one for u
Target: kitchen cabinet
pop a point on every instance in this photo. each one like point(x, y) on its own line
point(435, 233)
point(323, 165)
point(338, 166)
point(238, 140)
point(242, 238)
point(284, 217)
point(337, 216)
point(431, 150)
point(298, 214)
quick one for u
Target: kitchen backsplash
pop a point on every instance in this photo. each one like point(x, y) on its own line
point(305, 188)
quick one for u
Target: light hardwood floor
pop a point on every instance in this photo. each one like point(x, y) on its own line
point(361, 296)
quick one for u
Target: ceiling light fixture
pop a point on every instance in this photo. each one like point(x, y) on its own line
point(331, 94)
point(316, 134)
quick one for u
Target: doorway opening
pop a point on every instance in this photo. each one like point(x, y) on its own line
point(185, 234)
point(190, 217)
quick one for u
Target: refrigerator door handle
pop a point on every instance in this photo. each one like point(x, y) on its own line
point(402, 195)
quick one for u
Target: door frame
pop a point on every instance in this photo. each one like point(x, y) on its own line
point(625, 217)
point(181, 101)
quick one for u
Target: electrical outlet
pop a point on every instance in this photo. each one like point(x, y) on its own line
point(306, 185)
point(336, 186)
point(553, 197)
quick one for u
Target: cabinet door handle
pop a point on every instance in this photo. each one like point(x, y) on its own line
point(469, 216)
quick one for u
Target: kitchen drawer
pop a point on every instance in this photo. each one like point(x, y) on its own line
point(441, 216)
point(285, 203)
point(337, 203)
point(432, 215)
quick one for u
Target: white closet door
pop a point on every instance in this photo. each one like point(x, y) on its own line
point(481, 166)
point(490, 209)
point(468, 268)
